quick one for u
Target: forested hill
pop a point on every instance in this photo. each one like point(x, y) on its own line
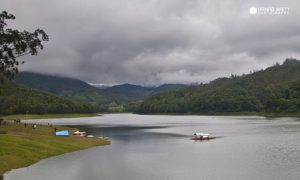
point(18, 99)
point(275, 89)
point(135, 92)
point(68, 87)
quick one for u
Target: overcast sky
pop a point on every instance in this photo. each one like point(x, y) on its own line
point(151, 42)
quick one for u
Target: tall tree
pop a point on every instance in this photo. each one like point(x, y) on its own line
point(15, 43)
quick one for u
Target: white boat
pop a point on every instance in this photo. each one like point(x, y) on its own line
point(201, 136)
point(80, 133)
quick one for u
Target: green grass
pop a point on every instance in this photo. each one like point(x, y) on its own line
point(45, 116)
point(22, 146)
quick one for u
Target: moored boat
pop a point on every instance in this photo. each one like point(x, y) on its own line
point(201, 136)
point(80, 133)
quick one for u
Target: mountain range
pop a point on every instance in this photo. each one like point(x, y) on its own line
point(275, 89)
point(79, 90)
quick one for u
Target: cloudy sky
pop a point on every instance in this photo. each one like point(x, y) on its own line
point(151, 42)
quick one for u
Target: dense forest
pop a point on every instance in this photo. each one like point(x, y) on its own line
point(275, 89)
point(18, 99)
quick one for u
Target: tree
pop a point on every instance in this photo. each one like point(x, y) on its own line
point(15, 43)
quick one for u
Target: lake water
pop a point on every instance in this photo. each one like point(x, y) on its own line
point(158, 147)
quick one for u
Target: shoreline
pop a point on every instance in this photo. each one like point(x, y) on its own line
point(22, 146)
point(262, 114)
point(48, 116)
point(59, 116)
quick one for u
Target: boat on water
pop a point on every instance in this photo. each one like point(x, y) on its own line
point(201, 136)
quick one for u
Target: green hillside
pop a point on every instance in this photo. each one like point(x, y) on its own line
point(168, 87)
point(79, 90)
point(71, 88)
point(18, 99)
point(275, 89)
point(131, 93)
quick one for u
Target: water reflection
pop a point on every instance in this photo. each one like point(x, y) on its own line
point(158, 147)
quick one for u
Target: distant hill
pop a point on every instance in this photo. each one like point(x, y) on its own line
point(18, 99)
point(79, 90)
point(136, 93)
point(71, 88)
point(275, 89)
point(131, 92)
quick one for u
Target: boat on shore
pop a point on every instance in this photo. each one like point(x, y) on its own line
point(80, 133)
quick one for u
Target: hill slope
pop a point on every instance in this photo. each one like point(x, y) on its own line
point(79, 90)
point(67, 87)
point(130, 92)
point(17, 99)
point(275, 89)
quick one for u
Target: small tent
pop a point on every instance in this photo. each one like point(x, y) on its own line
point(62, 133)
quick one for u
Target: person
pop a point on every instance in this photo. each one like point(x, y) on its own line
point(34, 126)
point(54, 129)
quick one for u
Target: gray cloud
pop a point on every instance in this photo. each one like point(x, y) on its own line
point(153, 42)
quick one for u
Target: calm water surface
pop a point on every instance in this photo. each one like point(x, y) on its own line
point(158, 148)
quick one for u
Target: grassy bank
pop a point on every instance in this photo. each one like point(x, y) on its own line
point(22, 146)
point(45, 116)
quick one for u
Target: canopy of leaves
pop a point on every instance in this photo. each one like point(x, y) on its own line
point(15, 43)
